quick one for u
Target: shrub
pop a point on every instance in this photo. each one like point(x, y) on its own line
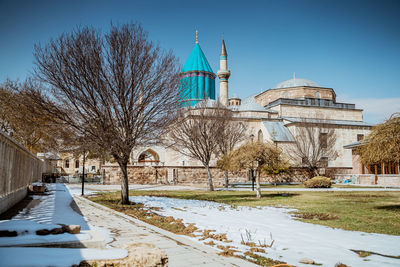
point(318, 182)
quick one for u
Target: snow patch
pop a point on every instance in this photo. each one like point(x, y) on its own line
point(293, 239)
point(59, 257)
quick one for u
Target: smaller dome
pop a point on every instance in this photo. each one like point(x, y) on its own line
point(250, 104)
point(294, 82)
point(208, 103)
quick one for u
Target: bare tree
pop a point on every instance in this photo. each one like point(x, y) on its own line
point(19, 119)
point(118, 90)
point(195, 133)
point(314, 145)
point(232, 133)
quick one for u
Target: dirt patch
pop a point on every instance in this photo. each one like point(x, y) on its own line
point(316, 216)
point(365, 253)
point(227, 251)
point(219, 237)
point(257, 250)
point(261, 260)
point(372, 195)
point(148, 215)
point(211, 243)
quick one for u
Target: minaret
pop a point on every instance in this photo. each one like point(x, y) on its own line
point(223, 75)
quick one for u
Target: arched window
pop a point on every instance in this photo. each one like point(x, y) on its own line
point(318, 95)
point(76, 164)
point(286, 95)
point(260, 136)
point(66, 164)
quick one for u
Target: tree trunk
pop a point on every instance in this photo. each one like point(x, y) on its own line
point(124, 183)
point(316, 171)
point(258, 185)
point(226, 179)
point(210, 182)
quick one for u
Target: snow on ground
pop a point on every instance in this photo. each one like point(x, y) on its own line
point(77, 190)
point(53, 208)
point(27, 233)
point(293, 239)
point(61, 257)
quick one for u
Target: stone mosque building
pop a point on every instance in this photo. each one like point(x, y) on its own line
point(272, 115)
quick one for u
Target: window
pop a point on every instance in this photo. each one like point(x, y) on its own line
point(323, 140)
point(304, 160)
point(76, 164)
point(260, 137)
point(318, 95)
point(323, 161)
point(360, 137)
point(66, 163)
point(93, 168)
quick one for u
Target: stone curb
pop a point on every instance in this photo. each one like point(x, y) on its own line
point(179, 239)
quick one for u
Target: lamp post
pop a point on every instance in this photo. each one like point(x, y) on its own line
point(252, 169)
point(83, 172)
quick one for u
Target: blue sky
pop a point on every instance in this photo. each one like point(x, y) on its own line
point(351, 46)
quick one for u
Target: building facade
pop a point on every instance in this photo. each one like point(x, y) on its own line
point(270, 116)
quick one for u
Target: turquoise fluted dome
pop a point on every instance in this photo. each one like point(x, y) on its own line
point(197, 81)
point(197, 61)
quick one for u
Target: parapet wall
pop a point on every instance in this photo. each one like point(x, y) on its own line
point(18, 169)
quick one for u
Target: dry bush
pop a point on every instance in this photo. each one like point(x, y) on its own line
point(211, 243)
point(227, 250)
point(257, 250)
point(218, 237)
point(318, 182)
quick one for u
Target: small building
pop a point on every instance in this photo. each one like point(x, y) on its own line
point(382, 173)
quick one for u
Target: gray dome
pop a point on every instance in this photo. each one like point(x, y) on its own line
point(249, 104)
point(296, 82)
point(207, 103)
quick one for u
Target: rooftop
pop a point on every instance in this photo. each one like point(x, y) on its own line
point(310, 102)
point(295, 82)
point(325, 121)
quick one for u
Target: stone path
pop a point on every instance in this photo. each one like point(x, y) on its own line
point(181, 251)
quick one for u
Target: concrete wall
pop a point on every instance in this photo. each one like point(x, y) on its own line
point(380, 179)
point(18, 169)
point(388, 180)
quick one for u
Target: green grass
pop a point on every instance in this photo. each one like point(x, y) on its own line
point(280, 186)
point(373, 212)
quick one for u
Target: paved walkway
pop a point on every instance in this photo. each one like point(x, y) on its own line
point(181, 250)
